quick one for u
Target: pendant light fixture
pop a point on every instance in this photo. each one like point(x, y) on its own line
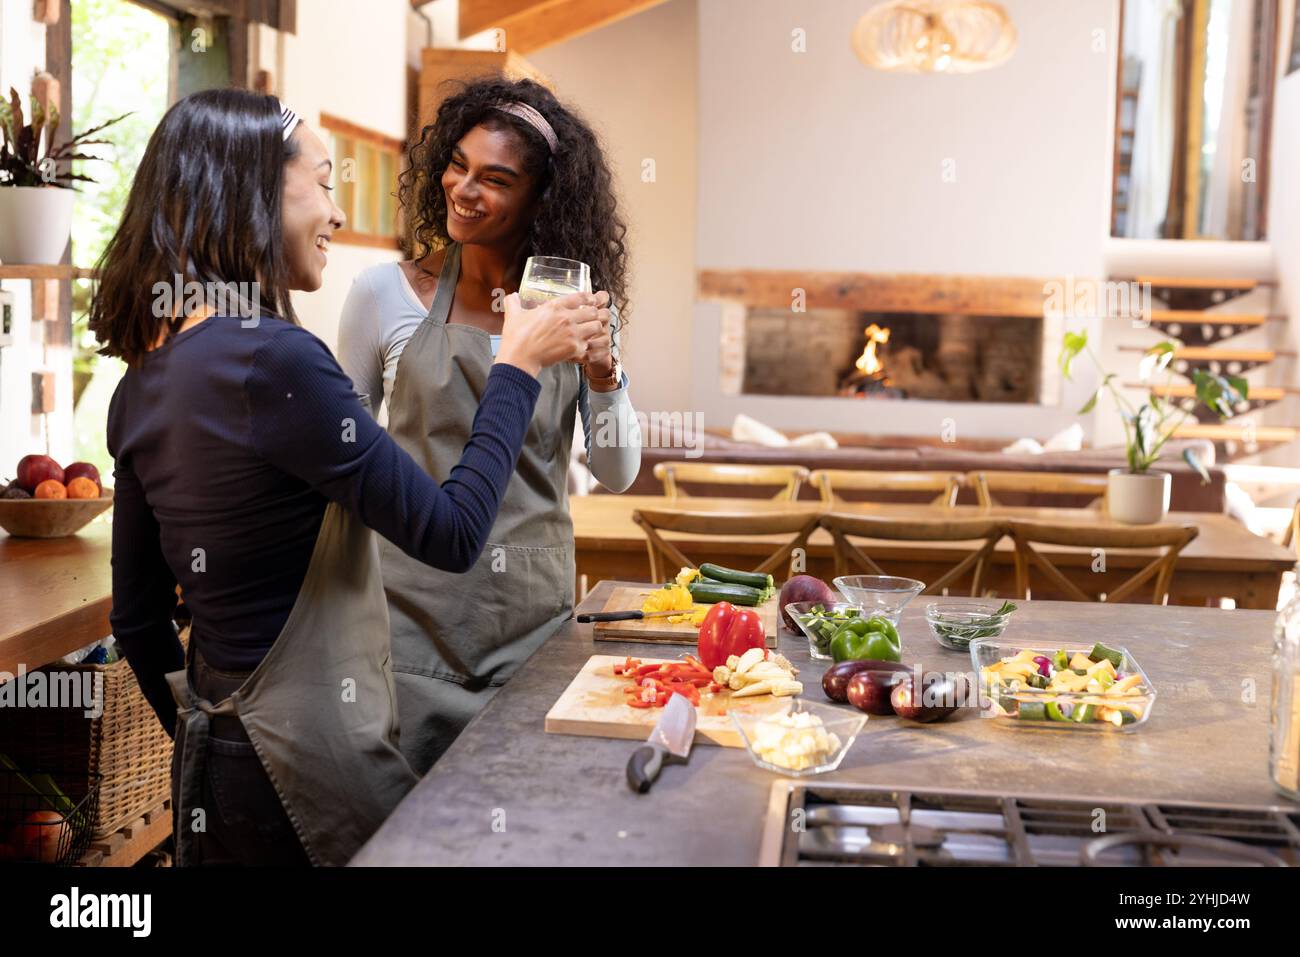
point(934, 36)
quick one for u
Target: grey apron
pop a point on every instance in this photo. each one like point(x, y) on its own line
point(319, 709)
point(458, 637)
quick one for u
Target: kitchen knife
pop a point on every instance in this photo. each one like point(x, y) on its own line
point(627, 615)
point(672, 735)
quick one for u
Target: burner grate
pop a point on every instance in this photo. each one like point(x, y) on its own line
point(835, 824)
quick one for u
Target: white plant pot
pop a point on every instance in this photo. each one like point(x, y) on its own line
point(1138, 498)
point(35, 223)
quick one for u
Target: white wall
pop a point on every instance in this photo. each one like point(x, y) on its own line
point(635, 81)
point(1284, 234)
point(347, 59)
point(812, 160)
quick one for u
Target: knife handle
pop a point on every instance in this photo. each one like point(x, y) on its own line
point(644, 766)
point(608, 616)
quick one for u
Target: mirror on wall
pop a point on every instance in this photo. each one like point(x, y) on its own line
point(1193, 108)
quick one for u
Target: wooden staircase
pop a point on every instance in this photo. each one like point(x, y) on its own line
point(1183, 312)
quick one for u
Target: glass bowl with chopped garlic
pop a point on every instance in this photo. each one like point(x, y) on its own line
point(802, 739)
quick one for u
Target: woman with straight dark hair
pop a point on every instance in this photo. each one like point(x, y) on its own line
point(249, 473)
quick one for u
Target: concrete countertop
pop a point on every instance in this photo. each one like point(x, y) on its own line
point(508, 793)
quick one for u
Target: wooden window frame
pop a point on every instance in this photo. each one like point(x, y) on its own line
point(396, 148)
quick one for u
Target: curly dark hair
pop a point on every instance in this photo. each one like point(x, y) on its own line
point(577, 208)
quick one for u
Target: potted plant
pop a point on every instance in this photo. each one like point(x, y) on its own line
point(1139, 494)
point(36, 189)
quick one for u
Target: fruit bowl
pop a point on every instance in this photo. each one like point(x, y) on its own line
point(51, 518)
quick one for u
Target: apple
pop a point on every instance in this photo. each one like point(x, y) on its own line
point(35, 469)
point(82, 470)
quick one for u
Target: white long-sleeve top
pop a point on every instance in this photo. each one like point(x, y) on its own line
point(381, 314)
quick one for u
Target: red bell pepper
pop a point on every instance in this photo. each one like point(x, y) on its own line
point(728, 630)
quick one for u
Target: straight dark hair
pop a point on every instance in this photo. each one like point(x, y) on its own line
point(205, 206)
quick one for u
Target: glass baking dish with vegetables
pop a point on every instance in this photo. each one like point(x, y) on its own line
point(1088, 689)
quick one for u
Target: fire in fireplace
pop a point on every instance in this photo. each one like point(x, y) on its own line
point(868, 379)
point(934, 356)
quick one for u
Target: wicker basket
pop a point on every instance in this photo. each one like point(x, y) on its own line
point(125, 745)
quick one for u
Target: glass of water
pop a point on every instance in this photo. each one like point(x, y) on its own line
point(549, 277)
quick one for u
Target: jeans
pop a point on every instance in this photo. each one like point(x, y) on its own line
point(243, 822)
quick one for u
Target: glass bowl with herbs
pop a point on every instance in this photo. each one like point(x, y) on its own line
point(956, 624)
point(820, 620)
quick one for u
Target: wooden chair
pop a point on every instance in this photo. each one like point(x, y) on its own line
point(1038, 483)
point(1172, 538)
point(787, 477)
point(1291, 537)
point(800, 523)
point(946, 485)
point(849, 556)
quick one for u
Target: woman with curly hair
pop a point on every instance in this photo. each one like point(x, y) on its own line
point(504, 172)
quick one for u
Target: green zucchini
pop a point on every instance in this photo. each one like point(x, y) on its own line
point(1032, 711)
point(730, 575)
point(1100, 651)
point(710, 592)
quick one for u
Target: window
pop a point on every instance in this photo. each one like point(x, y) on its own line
point(366, 166)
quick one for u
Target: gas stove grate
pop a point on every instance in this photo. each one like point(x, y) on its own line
point(836, 824)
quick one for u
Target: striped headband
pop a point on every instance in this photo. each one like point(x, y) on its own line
point(533, 119)
point(289, 121)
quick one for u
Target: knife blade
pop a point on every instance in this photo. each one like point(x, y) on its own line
point(673, 734)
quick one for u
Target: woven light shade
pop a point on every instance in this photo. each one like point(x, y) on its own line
point(934, 36)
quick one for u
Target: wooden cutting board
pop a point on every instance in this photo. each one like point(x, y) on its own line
point(594, 705)
point(624, 598)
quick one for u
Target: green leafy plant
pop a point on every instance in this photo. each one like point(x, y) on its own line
point(1147, 427)
point(28, 154)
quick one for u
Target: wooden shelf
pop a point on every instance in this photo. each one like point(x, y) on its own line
point(1187, 282)
point(1196, 317)
point(1214, 354)
point(1261, 393)
point(1261, 434)
point(46, 272)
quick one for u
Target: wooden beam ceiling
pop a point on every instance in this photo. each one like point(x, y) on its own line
point(532, 24)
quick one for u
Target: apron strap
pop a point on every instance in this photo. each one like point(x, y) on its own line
point(193, 734)
point(440, 308)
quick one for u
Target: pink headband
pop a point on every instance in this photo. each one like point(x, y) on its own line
point(533, 119)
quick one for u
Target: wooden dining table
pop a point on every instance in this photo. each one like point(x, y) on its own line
point(1225, 560)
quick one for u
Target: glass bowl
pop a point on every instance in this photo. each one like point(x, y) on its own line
point(882, 595)
point(821, 626)
point(759, 732)
point(956, 624)
point(1005, 706)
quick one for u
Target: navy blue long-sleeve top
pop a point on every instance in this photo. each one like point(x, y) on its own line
point(228, 443)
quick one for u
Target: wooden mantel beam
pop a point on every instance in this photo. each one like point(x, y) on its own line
point(532, 24)
point(877, 292)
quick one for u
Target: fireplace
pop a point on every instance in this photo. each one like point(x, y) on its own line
point(932, 356)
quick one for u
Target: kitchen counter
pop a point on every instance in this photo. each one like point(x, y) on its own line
point(55, 595)
point(508, 793)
